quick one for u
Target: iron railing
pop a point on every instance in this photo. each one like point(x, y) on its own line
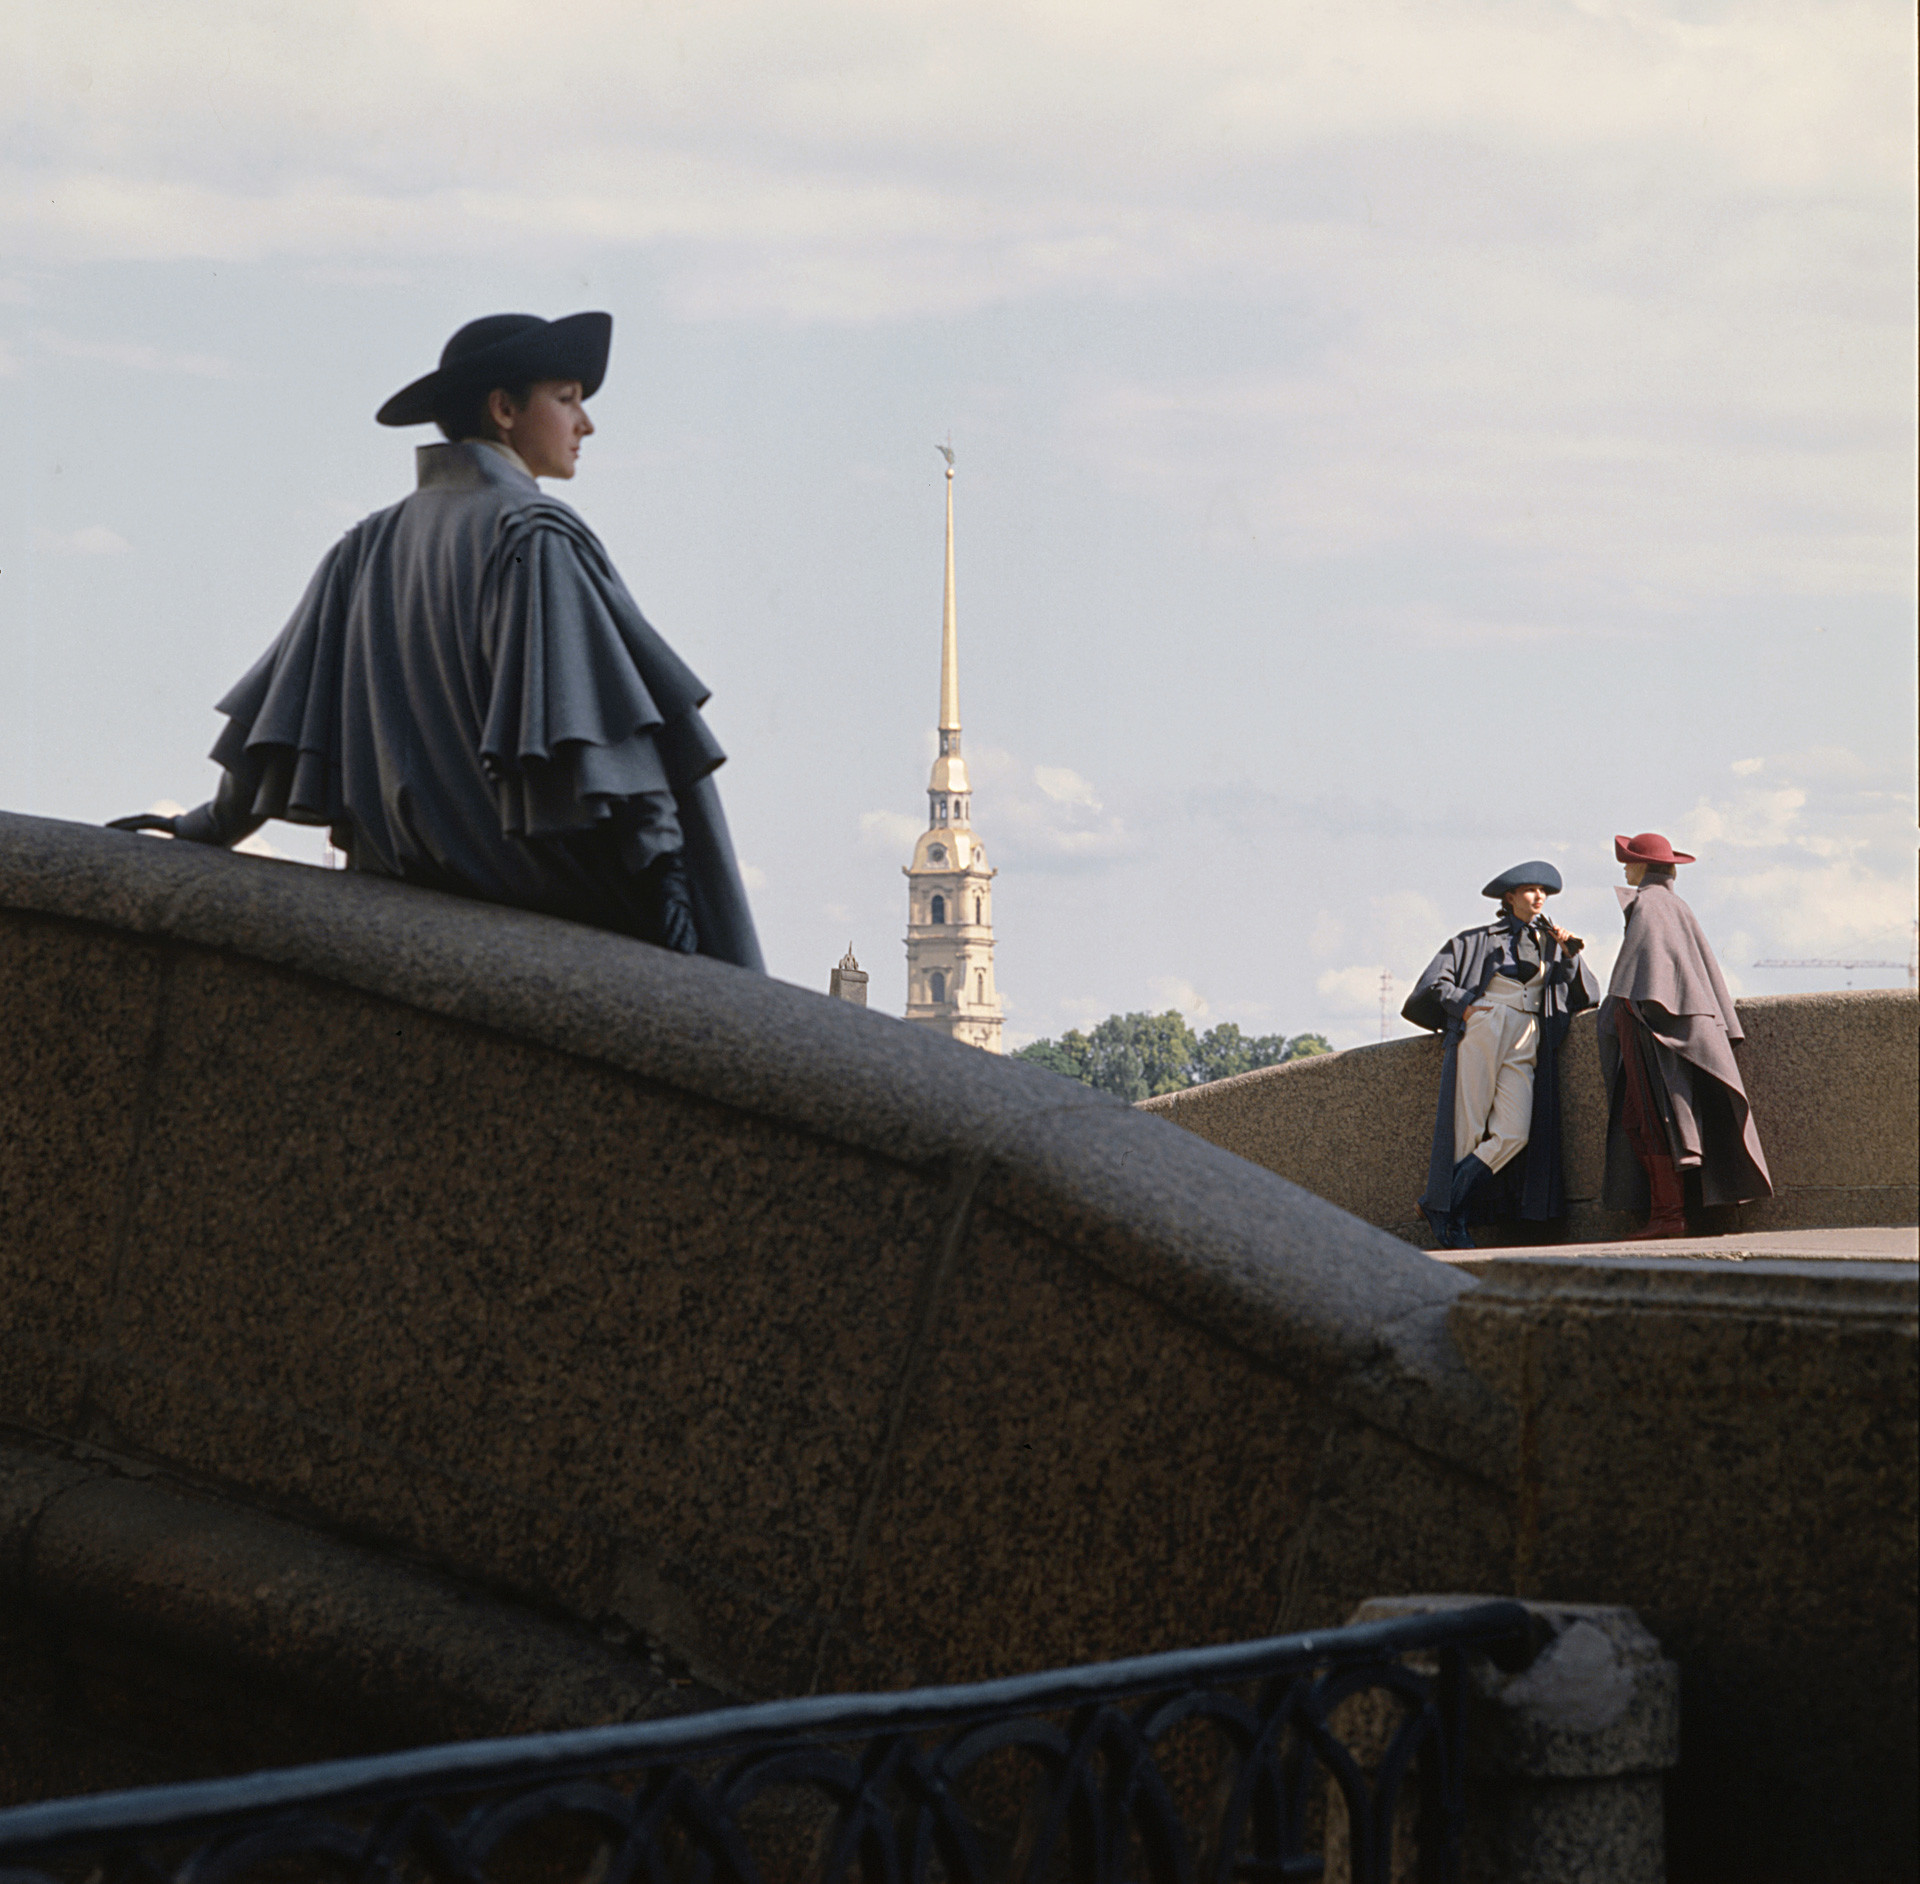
point(1209, 1764)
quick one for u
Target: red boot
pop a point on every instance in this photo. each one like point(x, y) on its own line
point(1669, 1214)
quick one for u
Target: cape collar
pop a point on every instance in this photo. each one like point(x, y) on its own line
point(471, 465)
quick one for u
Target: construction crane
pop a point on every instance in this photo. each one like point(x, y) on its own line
point(1911, 964)
point(1386, 998)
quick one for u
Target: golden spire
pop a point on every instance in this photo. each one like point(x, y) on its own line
point(947, 788)
point(949, 627)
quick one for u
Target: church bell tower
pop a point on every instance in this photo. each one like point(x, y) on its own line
point(950, 984)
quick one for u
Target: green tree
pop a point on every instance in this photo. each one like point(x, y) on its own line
point(1066, 1056)
point(1139, 1056)
point(1222, 1052)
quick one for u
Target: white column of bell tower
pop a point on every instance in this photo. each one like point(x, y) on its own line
point(950, 985)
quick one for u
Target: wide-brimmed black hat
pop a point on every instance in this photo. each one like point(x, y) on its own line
point(1535, 871)
point(506, 349)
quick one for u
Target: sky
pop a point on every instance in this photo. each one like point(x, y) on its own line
point(1393, 441)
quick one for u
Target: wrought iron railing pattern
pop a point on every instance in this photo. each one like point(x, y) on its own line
point(1210, 1764)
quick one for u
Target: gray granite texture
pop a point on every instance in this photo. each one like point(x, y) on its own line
point(678, 1301)
point(798, 1348)
point(1730, 1449)
point(1834, 1080)
point(152, 1632)
point(1564, 1757)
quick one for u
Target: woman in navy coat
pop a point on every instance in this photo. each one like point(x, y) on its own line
point(1502, 997)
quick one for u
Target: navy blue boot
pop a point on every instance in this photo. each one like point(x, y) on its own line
point(1452, 1227)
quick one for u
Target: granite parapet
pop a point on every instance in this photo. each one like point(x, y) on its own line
point(1834, 1080)
point(1730, 1448)
point(667, 1296)
point(660, 1299)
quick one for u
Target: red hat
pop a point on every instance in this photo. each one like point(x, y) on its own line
point(1648, 847)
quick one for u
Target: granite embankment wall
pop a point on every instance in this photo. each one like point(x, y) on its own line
point(419, 1318)
point(1834, 1080)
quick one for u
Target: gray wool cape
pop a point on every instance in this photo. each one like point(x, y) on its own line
point(1667, 971)
point(1533, 1186)
point(468, 696)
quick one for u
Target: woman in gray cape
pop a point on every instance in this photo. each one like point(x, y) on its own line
point(1503, 996)
point(1675, 1101)
point(468, 697)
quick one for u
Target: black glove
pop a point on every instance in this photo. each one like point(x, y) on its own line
point(673, 904)
point(141, 821)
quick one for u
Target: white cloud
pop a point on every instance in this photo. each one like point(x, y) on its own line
point(1438, 627)
point(1745, 768)
point(1054, 828)
point(94, 540)
point(1355, 990)
point(1818, 862)
point(1172, 991)
point(1611, 289)
point(1756, 819)
point(1065, 787)
point(135, 355)
point(1042, 140)
point(1831, 909)
point(1406, 928)
point(1526, 404)
point(889, 831)
point(753, 876)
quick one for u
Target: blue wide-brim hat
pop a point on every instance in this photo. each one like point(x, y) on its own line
point(1538, 871)
point(506, 350)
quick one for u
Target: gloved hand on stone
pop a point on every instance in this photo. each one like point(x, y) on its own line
point(674, 894)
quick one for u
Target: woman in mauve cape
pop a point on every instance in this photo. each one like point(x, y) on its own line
point(1675, 1100)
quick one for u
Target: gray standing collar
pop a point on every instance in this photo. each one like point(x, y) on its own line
point(470, 465)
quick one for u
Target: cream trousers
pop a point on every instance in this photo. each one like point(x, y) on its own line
point(1493, 1073)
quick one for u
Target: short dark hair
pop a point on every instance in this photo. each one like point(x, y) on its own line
point(463, 413)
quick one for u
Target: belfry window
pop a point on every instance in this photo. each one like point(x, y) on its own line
point(980, 987)
point(937, 983)
point(977, 906)
point(939, 909)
